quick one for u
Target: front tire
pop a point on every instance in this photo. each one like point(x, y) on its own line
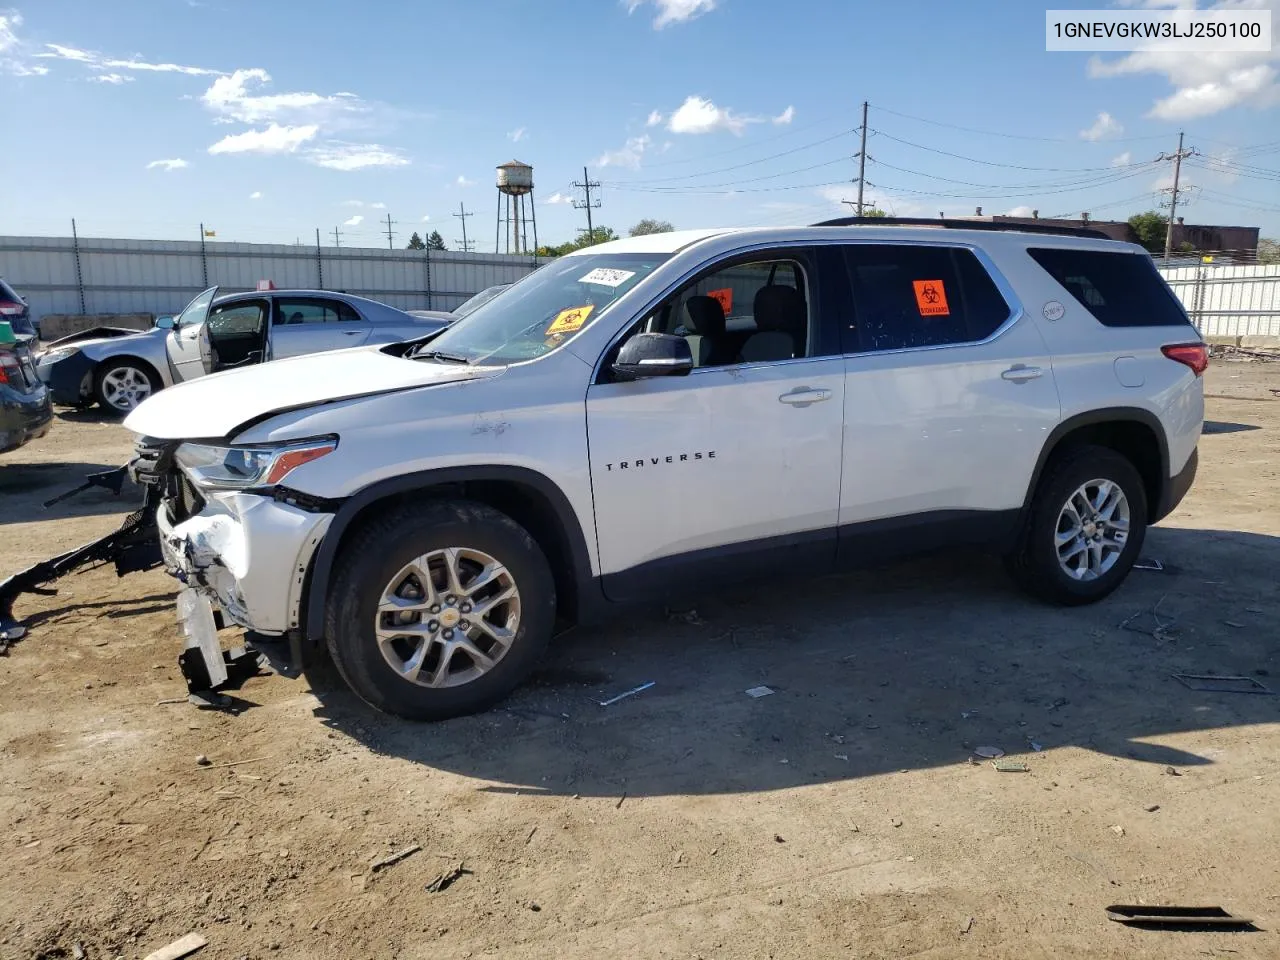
point(1085, 528)
point(439, 610)
point(120, 385)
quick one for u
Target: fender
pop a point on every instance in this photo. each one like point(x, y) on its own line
point(1089, 418)
point(321, 573)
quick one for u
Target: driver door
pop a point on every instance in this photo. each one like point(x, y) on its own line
point(187, 344)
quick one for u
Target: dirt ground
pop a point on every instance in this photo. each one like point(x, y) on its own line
point(838, 817)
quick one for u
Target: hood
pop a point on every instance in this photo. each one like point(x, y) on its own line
point(96, 335)
point(215, 406)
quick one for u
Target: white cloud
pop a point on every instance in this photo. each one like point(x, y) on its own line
point(113, 78)
point(378, 206)
point(13, 58)
point(273, 139)
point(699, 115)
point(629, 155)
point(256, 195)
point(1221, 165)
point(336, 155)
point(353, 203)
point(655, 118)
point(68, 53)
point(785, 117)
point(1205, 82)
point(1122, 159)
point(558, 198)
point(673, 11)
point(516, 135)
point(464, 182)
point(1023, 211)
point(354, 221)
point(235, 96)
point(1105, 126)
point(895, 206)
point(97, 61)
point(9, 22)
point(426, 218)
point(168, 166)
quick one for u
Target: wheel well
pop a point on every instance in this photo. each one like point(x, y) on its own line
point(1134, 441)
point(108, 362)
point(523, 503)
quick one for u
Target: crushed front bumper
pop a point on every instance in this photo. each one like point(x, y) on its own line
point(248, 553)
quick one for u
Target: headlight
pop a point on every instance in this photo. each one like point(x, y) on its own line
point(53, 356)
point(236, 468)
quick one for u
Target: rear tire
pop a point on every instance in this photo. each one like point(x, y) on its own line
point(120, 385)
point(1085, 528)
point(433, 571)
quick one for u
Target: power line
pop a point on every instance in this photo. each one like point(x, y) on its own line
point(1070, 188)
point(462, 215)
point(731, 183)
point(337, 237)
point(736, 166)
point(586, 186)
point(862, 157)
point(1177, 159)
point(390, 236)
point(992, 163)
point(1057, 182)
point(789, 132)
point(1009, 136)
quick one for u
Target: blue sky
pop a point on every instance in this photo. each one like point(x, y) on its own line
point(143, 118)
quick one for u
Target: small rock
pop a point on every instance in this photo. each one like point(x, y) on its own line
point(534, 907)
point(1117, 830)
point(895, 821)
point(1152, 808)
point(1173, 772)
point(202, 760)
point(777, 838)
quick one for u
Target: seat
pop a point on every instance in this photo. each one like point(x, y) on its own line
point(704, 317)
point(781, 319)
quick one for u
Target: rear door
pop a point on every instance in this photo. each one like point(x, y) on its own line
point(304, 324)
point(949, 395)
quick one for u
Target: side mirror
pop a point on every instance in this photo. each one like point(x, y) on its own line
point(165, 323)
point(653, 355)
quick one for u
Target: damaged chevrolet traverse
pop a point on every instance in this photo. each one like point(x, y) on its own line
point(666, 412)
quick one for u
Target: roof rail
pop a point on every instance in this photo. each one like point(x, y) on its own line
point(958, 224)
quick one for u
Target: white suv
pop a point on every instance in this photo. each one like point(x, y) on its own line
point(665, 412)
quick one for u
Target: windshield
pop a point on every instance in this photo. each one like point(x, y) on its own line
point(545, 309)
point(470, 305)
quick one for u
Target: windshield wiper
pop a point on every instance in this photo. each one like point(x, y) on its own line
point(440, 355)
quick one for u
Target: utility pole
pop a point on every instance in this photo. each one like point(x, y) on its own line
point(586, 186)
point(390, 236)
point(862, 157)
point(462, 215)
point(337, 237)
point(204, 259)
point(1177, 159)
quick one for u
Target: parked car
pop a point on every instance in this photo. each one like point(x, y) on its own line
point(25, 410)
point(666, 412)
point(120, 368)
point(467, 306)
point(15, 310)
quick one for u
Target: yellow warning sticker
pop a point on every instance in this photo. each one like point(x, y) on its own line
point(567, 321)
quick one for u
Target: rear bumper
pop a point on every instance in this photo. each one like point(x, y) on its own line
point(67, 378)
point(23, 416)
point(1177, 487)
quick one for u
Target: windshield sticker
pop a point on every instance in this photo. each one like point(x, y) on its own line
point(725, 296)
point(567, 321)
point(931, 298)
point(606, 277)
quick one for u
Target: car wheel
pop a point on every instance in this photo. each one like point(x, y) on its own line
point(120, 385)
point(1086, 526)
point(439, 609)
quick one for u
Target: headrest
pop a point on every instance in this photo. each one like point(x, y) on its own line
point(704, 316)
point(779, 308)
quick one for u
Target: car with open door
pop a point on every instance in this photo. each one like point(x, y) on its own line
point(118, 368)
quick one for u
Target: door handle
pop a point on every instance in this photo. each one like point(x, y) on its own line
point(803, 396)
point(352, 333)
point(1020, 373)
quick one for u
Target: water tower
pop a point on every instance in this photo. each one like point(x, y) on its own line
point(515, 182)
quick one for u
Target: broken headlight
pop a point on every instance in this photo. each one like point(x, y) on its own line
point(237, 468)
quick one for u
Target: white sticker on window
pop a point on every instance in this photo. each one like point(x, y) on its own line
point(606, 277)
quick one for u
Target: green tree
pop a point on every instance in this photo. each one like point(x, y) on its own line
point(1268, 250)
point(435, 241)
point(872, 212)
point(584, 239)
point(415, 242)
point(648, 226)
point(1149, 229)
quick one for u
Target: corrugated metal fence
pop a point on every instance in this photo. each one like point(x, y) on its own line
point(1229, 300)
point(65, 275)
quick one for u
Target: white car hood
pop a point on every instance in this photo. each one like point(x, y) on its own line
point(216, 405)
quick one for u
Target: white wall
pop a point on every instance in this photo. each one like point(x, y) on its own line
point(1230, 300)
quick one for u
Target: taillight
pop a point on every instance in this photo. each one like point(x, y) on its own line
point(10, 309)
point(9, 368)
point(1193, 355)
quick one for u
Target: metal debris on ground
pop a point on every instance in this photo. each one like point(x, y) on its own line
point(233, 763)
point(968, 925)
point(758, 692)
point(1151, 807)
point(841, 756)
point(686, 616)
point(988, 753)
point(1010, 766)
point(446, 879)
point(1038, 748)
point(394, 858)
point(1234, 623)
point(629, 693)
point(1210, 683)
point(1173, 916)
point(1060, 702)
point(1147, 563)
point(77, 951)
point(179, 948)
point(1158, 626)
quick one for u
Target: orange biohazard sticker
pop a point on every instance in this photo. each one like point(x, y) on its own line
point(725, 296)
point(567, 321)
point(931, 298)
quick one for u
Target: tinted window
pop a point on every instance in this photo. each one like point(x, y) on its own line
point(1119, 289)
point(296, 311)
point(8, 293)
point(229, 319)
point(918, 296)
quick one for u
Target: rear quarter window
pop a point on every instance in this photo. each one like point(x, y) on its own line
point(1119, 289)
